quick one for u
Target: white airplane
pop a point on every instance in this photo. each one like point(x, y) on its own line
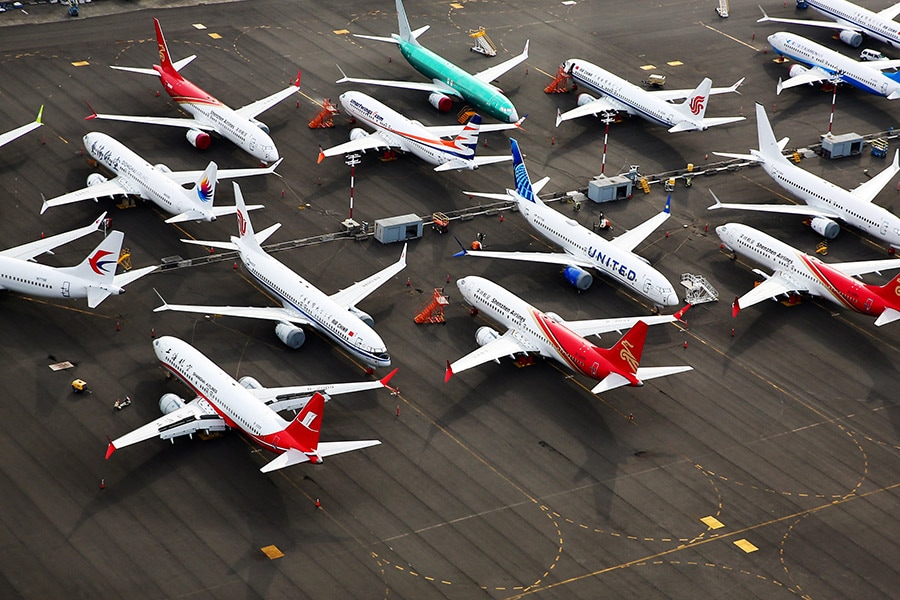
point(582, 248)
point(221, 403)
point(620, 96)
point(795, 272)
point(18, 132)
point(336, 316)
point(826, 66)
point(239, 127)
point(94, 278)
point(852, 20)
point(157, 183)
point(393, 130)
point(530, 331)
point(825, 201)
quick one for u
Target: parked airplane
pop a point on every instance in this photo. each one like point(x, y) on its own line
point(393, 130)
point(852, 20)
point(620, 96)
point(828, 66)
point(447, 80)
point(18, 132)
point(795, 272)
point(222, 403)
point(582, 248)
point(157, 183)
point(530, 331)
point(824, 200)
point(94, 278)
point(239, 127)
point(335, 316)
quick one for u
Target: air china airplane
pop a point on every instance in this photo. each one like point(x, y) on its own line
point(221, 403)
point(620, 96)
point(335, 316)
point(795, 272)
point(530, 331)
point(824, 200)
point(94, 278)
point(827, 66)
point(852, 20)
point(447, 80)
point(393, 130)
point(239, 127)
point(18, 132)
point(582, 248)
point(157, 183)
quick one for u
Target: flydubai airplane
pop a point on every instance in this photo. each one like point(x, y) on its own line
point(239, 127)
point(221, 403)
point(157, 183)
point(852, 20)
point(530, 331)
point(582, 248)
point(825, 201)
point(94, 278)
point(826, 65)
point(393, 130)
point(795, 272)
point(447, 80)
point(620, 96)
point(18, 132)
point(303, 304)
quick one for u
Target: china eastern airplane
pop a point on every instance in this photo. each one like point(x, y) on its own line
point(852, 20)
point(795, 272)
point(530, 331)
point(393, 130)
point(94, 278)
point(18, 132)
point(447, 80)
point(825, 201)
point(620, 96)
point(335, 316)
point(239, 127)
point(157, 183)
point(582, 248)
point(221, 403)
point(826, 66)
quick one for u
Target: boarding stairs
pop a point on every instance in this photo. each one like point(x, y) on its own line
point(699, 290)
point(483, 43)
point(433, 311)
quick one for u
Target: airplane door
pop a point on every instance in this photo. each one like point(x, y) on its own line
point(64, 289)
point(647, 284)
point(867, 306)
point(594, 368)
point(884, 228)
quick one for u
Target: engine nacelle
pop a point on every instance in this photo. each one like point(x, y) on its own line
point(796, 70)
point(198, 139)
point(440, 101)
point(162, 168)
point(250, 383)
point(851, 38)
point(170, 403)
point(95, 179)
point(363, 316)
point(584, 99)
point(485, 335)
point(357, 134)
point(578, 277)
point(291, 335)
point(825, 227)
point(260, 124)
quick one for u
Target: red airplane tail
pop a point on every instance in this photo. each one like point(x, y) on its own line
point(306, 427)
point(625, 355)
point(164, 60)
point(890, 290)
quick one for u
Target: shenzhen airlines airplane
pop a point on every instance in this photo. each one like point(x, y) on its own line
point(824, 200)
point(222, 403)
point(335, 316)
point(157, 183)
point(95, 278)
point(620, 96)
point(447, 80)
point(239, 127)
point(795, 272)
point(582, 248)
point(18, 132)
point(852, 20)
point(531, 331)
point(393, 130)
point(826, 65)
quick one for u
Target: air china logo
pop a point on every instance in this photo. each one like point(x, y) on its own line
point(242, 224)
point(697, 104)
point(204, 190)
point(628, 356)
point(99, 266)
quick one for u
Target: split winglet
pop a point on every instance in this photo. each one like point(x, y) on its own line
point(110, 448)
point(387, 378)
point(735, 307)
point(680, 313)
point(448, 373)
point(462, 252)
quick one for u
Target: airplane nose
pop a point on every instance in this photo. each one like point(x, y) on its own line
point(672, 299)
point(461, 282)
point(721, 230)
point(513, 116)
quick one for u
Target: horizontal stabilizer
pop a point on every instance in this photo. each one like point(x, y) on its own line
point(888, 316)
point(685, 126)
point(715, 121)
point(140, 70)
point(209, 244)
point(747, 157)
point(132, 275)
point(377, 38)
point(648, 373)
point(295, 457)
point(221, 211)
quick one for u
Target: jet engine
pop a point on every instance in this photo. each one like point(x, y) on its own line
point(198, 139)
point(96, 179)
point(578, 277)
point(440, 101)
point(260, 124)
point(170, 403)
point(851, 38)
point(485, 335)
point(357, 134)
point(584, 99)
point(363, 316)
point(825, 227)
point(797, 70)
point(250, 383)
point(162, 168)
point(291, 335)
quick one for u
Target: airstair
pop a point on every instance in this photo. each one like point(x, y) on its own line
point(433, 311)
point(699, 290)
point(483, 43)
point(325, 118)
point(560, 85)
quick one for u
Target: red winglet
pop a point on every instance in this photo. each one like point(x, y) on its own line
point(387, 378)
point(448, 373)
point(109, 449)
point(93, 114)
point(297, 81)
point(681, 312)
point(735, 308)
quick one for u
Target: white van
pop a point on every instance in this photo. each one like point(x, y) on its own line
point(872, 55)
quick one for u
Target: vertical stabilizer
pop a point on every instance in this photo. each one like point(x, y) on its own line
point(245, 227)
point(204, 189)
point(100, 265)
point(694, 107)
point(406, 34)
point(523, 182)
point(164, 60)
point(769, 148)
point(625, 355)
point(468, 137)
point(888, 291)
point(305, 429)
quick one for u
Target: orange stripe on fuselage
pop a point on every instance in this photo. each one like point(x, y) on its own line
point(183, 91)
point(566, 342)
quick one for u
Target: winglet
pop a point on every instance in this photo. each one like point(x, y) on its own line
point(321, 156)
point(520, 121)
point(462, 251)
point(40, 116)
point(668, 208)
point(736, 85)
point(448, 373)
point(384, 380)
point(343, 75)
point(93, 114)
point(677, 315)
point(110, 448)
point(98, 221)
point(300, 72)
point(765, 17)
point(718, 203)
point(558, 117)
point(735, 307)
point(44, 205)
point(165, 305)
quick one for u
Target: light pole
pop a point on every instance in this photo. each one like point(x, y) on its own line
point(352, 160)
point(607, 118)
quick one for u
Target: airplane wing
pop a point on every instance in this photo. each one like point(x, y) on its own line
point(672, 95)
point(323, 450)
point(466, 163)
point(506, 345)
point(826, 24)
point(112, 187)
point(369, 142)
point(260, 106)
point(31, 249)
point(552, 258)
point(788, 209)
point(871, 188)
point(408, 85)
point(269, 313)
point(599, 326)
point(866, 266)
point(890, 12)
point(295, 397)
point(774, 286)
point(489, 75)
point(183, 177)
point(813, 75)
point(184, 122)
point(351, 296)
point(218, 211)
point(133, 275)
point(18, 132)
point(594, 107)
point(630, 239)
point(454, 130)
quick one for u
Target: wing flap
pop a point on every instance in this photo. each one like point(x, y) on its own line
point(191, 418)
point(260, 106)
point(167, 121)
point(94, 192)
point(505, 345)
point(595, 107)
point(370, 142)
point(600, 326)
point(769, 289)
point(871, 188)
point(866, 266)
point(495, 72)
point(36, 248)
point(357, 292)
point(250, 312)
point(629, 240)
point(551, 258)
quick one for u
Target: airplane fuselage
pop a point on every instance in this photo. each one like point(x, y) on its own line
point(34, 279)
point(870, 23)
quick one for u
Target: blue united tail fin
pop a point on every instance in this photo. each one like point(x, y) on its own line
point(523, 182)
